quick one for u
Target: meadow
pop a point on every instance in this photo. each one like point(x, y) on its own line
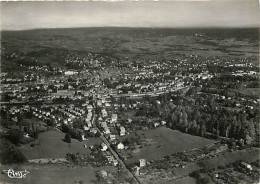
point(53, 174)
point(50, 144)
point(164, 141)
point(247, 155)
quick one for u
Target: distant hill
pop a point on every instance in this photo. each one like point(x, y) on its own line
point(51, 46)
point(220, 33)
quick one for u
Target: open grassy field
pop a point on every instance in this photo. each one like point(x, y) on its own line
point(35, 121)
point(185, 180)
point(222, 160)
point(248, 91)
point(51, 174)
point(165, 141)
point(248, 155)
point(51, 145)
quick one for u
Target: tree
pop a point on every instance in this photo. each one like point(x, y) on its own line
point(185, 122)
point(251, 129)
point(193, 127)
point(36, 133)
point(65, 128)
point(71, 157)
point(202, 128)
point(97, 134)
point(180, 119)
point(14, 136)
point(67, 138)
point(174, 120)
point(9, 154)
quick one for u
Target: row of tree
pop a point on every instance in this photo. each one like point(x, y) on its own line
point(204, 115)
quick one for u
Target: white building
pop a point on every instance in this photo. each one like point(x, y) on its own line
point(122, 131)
point(103, 147)
point(163, 123)
point(120, 146)
point(142, 162)
point(114, 118)
point(71, 72)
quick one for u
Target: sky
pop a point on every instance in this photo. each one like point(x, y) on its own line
point(176, 14)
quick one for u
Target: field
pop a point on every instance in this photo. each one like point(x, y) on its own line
point(165, 141)
point(51, 145)
point(185, 180)
point(249, 155)
point(248, 91)
point(35, 121)
point(51, 174)
point(181, 175)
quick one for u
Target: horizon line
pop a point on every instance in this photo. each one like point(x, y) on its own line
point(143, 27)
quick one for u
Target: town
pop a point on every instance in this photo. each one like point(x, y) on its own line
point(134, 119)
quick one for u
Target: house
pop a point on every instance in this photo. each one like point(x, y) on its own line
point(70, 72)
point(162, 87)
point(120, 146)
point(163, 123)
point(156, 124)
point(122, 131)
point(99, 103)
point(107, 104)
point(115, 162)
point(103, 173)
point(93, 130)
point(246, 166)
point(114, 118)
point(26, 135)
point(105, 127)
point(88, 119)
point(15, 119)
point(89, 107)
point(104, 147)
point(83, 138)
point(103, 100)
point(63, 93)
point(142, 162)
point(112, 137)
point(137, 85)
point(86, 127)
point(104, 113)
point(144, 86)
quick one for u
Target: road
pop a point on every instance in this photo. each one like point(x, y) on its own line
point(104, 139)
point(120, 161)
